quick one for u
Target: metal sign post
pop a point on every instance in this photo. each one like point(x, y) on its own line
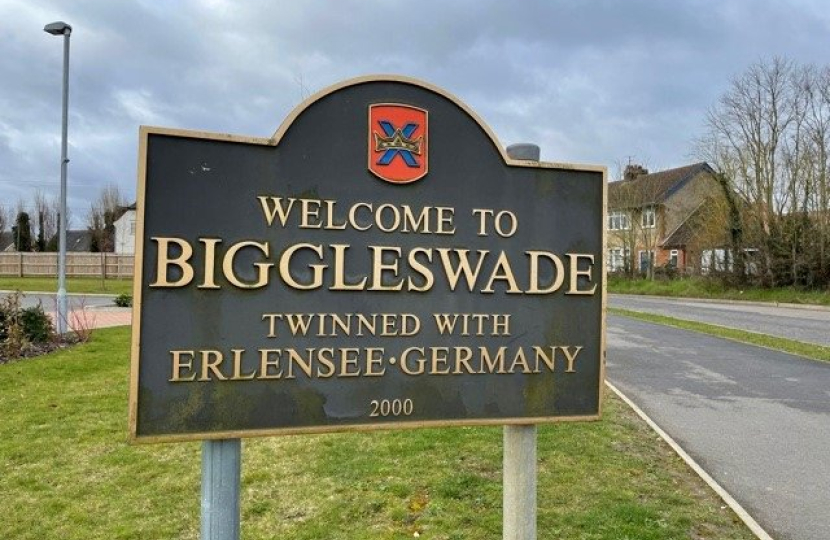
point(519, 445)
point(221, 474)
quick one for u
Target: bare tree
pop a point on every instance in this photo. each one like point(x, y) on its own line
point(46, 214)
point(768, 137)
point(101, 218)
point(4, 219)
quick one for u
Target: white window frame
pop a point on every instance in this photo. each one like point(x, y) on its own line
point(674, 257)
point(618, 220)
point(617, 258)
point(648, 219)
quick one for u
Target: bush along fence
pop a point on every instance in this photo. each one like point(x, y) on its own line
point(98, 265)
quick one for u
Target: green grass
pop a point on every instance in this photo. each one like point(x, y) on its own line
point(698, 287)
point(808, 350)
point(66, 471)
point(73, 285)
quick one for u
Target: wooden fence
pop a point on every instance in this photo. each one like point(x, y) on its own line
point(106, 265)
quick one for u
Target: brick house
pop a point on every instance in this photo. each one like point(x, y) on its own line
point(663, 219)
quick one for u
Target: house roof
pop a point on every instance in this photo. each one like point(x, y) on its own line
point(685, 232)
point(79, 240)
point(654, 188)
point(6, 241)
point(119, 213)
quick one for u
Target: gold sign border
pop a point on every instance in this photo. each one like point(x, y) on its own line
point(144, 134)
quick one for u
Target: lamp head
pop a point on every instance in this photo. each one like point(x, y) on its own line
point(58, 28)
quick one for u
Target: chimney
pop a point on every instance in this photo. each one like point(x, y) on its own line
point(632, 171)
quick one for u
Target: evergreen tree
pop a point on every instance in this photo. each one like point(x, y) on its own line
point(22, 233)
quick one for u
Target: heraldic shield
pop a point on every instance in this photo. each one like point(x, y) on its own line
point(398, 142)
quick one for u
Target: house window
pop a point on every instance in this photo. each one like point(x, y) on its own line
point(132, 228)
point(646, 260)
point(674, 258)
point(617, 259)
point(648, 218)
point(618, 221)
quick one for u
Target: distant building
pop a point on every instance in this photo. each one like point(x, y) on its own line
point(6, 241)
point(79, 241)
point(125, 230)
point(663, 219)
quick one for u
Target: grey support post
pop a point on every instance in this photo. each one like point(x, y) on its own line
point(519, 445)
point(221, 472)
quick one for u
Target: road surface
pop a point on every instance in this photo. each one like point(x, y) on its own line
point(757, 420)
point(808, 325)
point(75, 301)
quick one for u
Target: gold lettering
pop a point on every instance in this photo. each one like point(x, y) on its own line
point(165, 261)
point(379, 267)
point(330, 224)
point(421, 269)
point(558, 272)
point(439, 357)
point(501, 324)
point(310, 209)
point(419, 361)
point(272, 322)
point(503, 272)
point(276, 209)
point(453, 274)
point(349, 358)
point(576, 272)
point(492, 363)
point(353, 216)
point(210, 364)
point(542, 355)
point(237, 367)
point(325, 356)
point(317, 269)
point(294, 358)
point(210, 263)
point(410, 224)
point(374, 358)
point(266, 363)
point(179, 364)
point(445, 220)
point(340, 272)
point(462, 358)
point(230, 256)
point(396, 218)
point(570, 358)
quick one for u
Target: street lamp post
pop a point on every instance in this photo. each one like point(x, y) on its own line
point(60, 28)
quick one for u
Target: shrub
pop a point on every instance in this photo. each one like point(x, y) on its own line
point(36, 324)
point(124, 300)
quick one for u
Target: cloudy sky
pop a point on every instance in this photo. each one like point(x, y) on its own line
point(590, 81)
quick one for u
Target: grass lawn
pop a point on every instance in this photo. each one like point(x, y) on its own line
point(66, 471)
point(73, 285)
point(697, 287)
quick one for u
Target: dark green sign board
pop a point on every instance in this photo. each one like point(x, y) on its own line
point(380, 262)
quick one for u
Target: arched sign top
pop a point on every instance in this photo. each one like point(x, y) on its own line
point(367, 79)
point(298, 111)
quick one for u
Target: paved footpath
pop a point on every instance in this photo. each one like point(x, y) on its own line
point(99, 317)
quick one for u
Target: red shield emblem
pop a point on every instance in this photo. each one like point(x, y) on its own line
point(398, 142)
